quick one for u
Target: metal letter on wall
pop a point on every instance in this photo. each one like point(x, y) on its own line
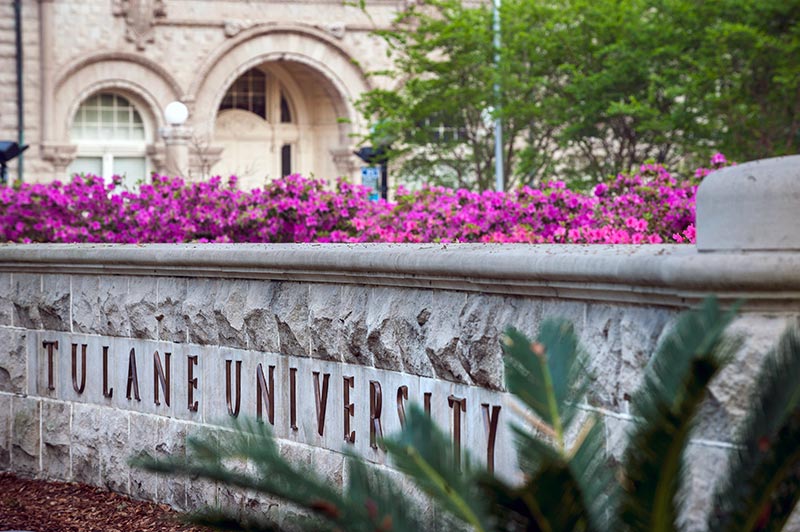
point(402, 395)
point(459, 405)
point(133, 377)
point(160, 377)
point(321, 399)
point(50, 377)
point(233, 407)
point(490, 424)
point(191, 362)
point(293, 398)
point(349, 409)
point(79, 387)
point(107, 392)
point(263, 391)
point(375, 407)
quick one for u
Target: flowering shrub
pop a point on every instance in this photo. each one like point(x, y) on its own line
point(650, 206)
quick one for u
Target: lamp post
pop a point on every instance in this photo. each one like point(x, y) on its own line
point(371, 156)
point(176, 138)
point(498, 123)
point(8, 151)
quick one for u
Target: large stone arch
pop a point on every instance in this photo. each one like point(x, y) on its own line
point(146, 83)
point(270, 43)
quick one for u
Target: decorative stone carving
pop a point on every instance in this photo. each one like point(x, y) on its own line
point(344, 160)
point(140, 18)
point(336, 29)
point(59, 155)
point(234, 27)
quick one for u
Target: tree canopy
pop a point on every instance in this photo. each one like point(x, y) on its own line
point(586, 87)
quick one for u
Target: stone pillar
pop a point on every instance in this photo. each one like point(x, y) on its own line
point(177, 139)
point(751, 207)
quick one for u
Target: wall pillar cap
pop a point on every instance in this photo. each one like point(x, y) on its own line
point(751, 207)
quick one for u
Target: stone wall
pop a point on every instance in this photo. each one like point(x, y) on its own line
point(428, 315)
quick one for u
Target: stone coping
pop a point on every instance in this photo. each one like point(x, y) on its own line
point(673, 275)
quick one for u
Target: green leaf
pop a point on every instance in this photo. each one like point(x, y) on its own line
point(548, 375)
point(762, 485)
point(425, 453)
point(674, 385)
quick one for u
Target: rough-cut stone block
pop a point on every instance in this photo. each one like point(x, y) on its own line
point(171, 443)
point(327, 465)
point(702, 475)
point(200, 493)
point(142, 439)
point(354, 325)
point(482, 324)
point(290, 308)
point(140, 310)
point(85, 440)
point(230, 311)
point(442, 334)
point(113, 447)
point(56, 440)
point(734, 386)
point(198, 310)
point(260, 326)
point(42, 301)
point(13, 360)
point(86, 310)
point(25, 435)
point(6, 299)
point(5, 431)
point(173, 325)
point(326, 315)
point(114, 306)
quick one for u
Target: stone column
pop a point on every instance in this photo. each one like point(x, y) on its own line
point(753, 206)
point(177, 139)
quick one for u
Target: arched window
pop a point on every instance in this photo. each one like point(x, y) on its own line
point(263, 141)
point(248, 92)
point(111, 138)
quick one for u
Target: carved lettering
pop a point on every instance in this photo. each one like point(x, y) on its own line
point(49, 346)
point(490, 424)
point(264, 392)
point(160, 377)
point(349, 409)
point(321, 399)
point(427, 402)
point(233, 406)
point(458, 405)
point(107, 392)
point(293, 398)
point(375, 407)
point(402, 394)
point(79, 387)
point(133, 377)
point(191, 362)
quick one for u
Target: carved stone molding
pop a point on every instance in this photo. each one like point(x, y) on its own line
point(140, 18)
point(59, 155)
point(344, 160)
point(234, 27)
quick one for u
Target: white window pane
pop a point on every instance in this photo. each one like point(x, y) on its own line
point(86, 165)
point(131, 169)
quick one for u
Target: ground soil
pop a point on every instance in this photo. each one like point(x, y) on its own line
point(41, 506)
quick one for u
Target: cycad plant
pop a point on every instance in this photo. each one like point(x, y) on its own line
point(568, 483)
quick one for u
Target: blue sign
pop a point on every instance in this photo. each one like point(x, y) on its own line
point(371, 177)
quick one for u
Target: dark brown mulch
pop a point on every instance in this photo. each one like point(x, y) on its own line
point(41, 506)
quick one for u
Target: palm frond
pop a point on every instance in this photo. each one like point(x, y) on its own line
point(425, 453)
point(762, 486)
point(548, 375)
point(674, 385)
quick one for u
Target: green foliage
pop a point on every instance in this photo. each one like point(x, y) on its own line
point(587, 87)
point(568, 483)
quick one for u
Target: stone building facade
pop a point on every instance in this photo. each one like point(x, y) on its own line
point(270, 85)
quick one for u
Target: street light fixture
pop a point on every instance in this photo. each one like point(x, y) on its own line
point(8, 151)
point(372, 156)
